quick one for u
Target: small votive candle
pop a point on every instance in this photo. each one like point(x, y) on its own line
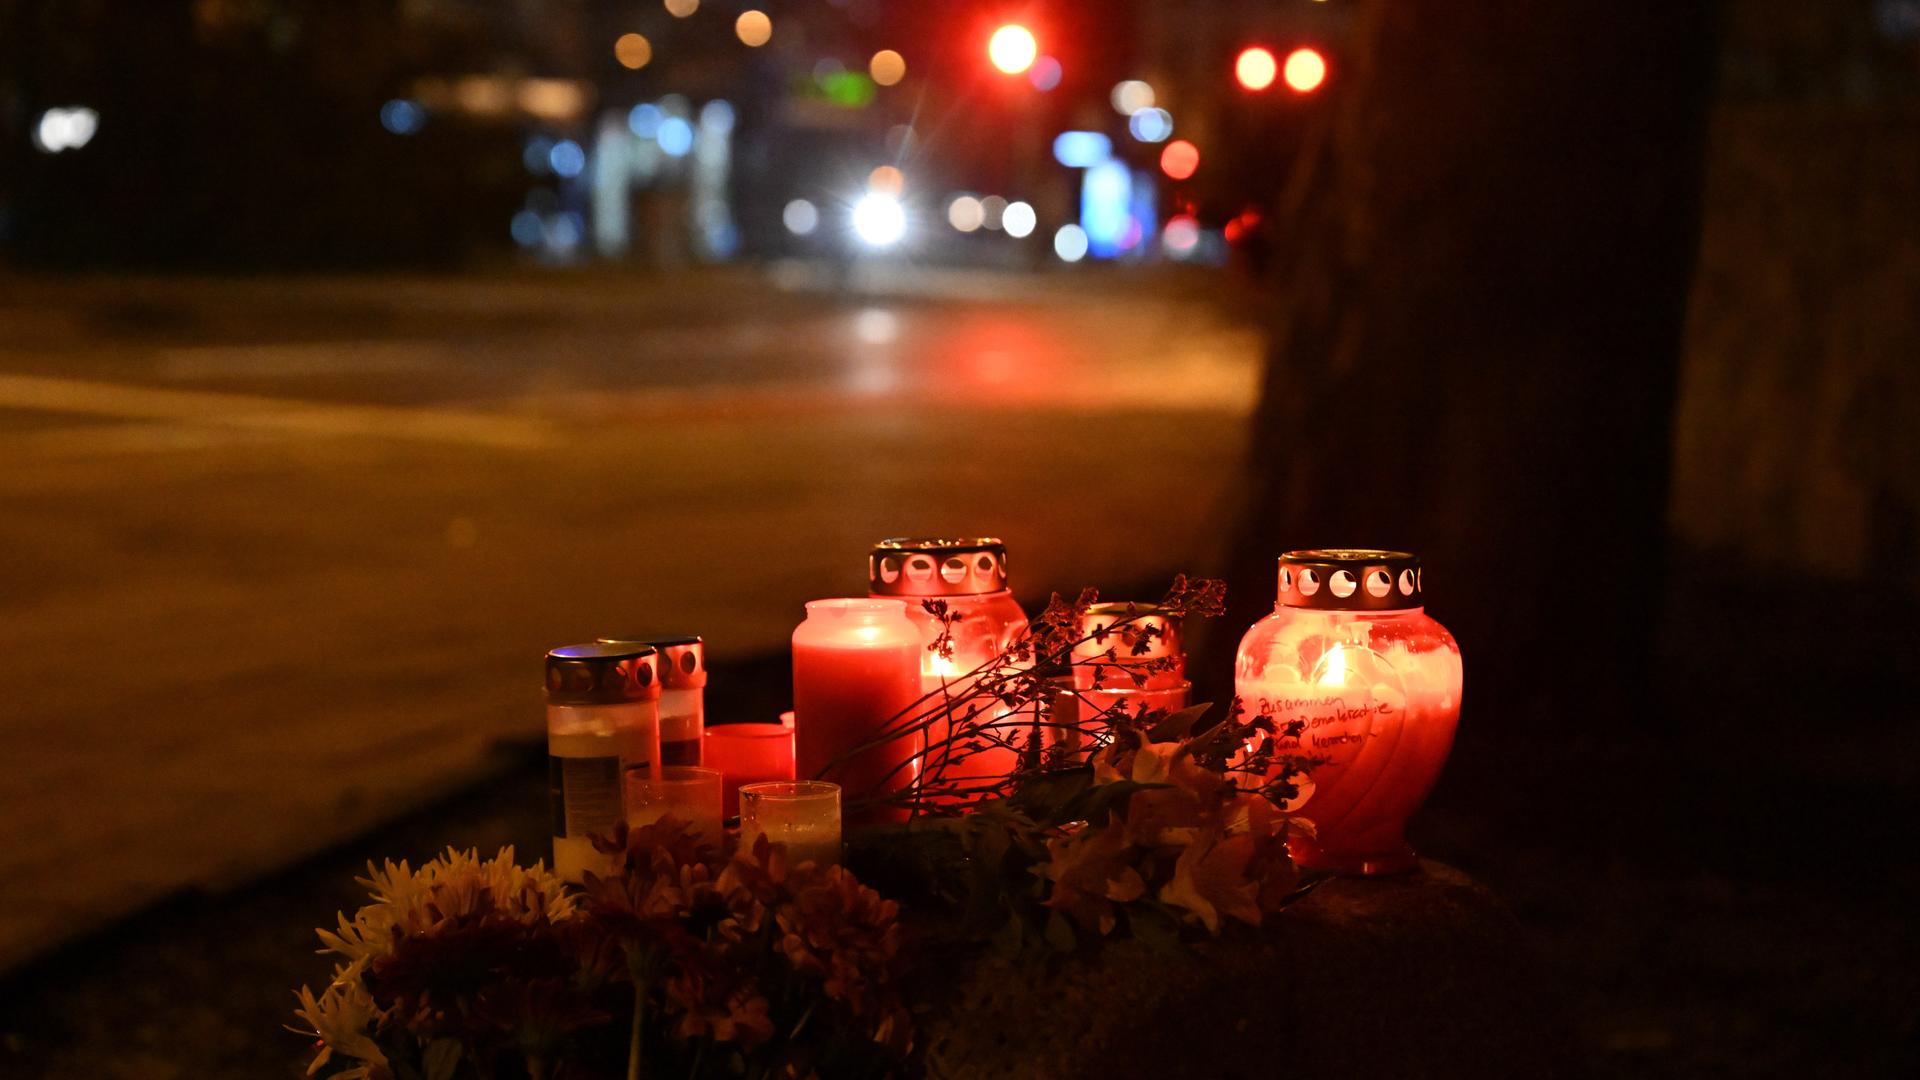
point(748, 754)
point(688, 793)
point(802, 814)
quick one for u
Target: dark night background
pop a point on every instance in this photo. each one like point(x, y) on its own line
point(353, 352)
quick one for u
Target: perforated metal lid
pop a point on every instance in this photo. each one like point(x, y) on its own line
point(937, 566)
point(1350, 579)
point(602, 673)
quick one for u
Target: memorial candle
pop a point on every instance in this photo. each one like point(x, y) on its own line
point(748, 754)
point(802, 814)
point(1351, 654)
point(856, 667)
point(1119, 643)
point(970, 577)
point(603, 725)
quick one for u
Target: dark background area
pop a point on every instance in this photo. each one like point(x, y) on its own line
point(1613, 316)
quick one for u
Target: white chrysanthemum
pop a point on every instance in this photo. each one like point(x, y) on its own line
point(341, 1017)
point(456, 884)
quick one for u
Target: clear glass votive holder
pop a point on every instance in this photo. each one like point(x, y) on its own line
point(748, 754)
point(690, 793)
point(802, 814)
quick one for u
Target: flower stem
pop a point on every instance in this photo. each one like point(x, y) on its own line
point(639, 1019)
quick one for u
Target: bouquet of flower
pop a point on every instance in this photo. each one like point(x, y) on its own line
point(681, 963)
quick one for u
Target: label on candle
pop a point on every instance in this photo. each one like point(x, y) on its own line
point(585, 795)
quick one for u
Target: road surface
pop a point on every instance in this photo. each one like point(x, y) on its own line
point(278, 559)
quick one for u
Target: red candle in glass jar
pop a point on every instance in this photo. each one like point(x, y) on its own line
point(856, 666)
point(970, 577)
point(748, 754)
point(1351, 654)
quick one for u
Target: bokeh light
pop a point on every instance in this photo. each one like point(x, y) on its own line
point(879, 220)
point(1081, 149)
point(72, 128)
point(887, 67)
point(800, 217)
point(1179, 159)
point(644, 120)
point(717, 116)
point(1256, 68)
point(528, 228)
point(1019, 219)
point(753, 28)
point(886, 180)
point(680, 9)
point(1070, 243)
point(964, 213)
point(1045, 74)
point(1131, 96)
point(1151, 125)
point(1012, 48)
point(566, 158)
point(1181, 235)
point(675, 137)
point(1306, 69)
point(399, 116)
point(991, 209)
point(633, 51)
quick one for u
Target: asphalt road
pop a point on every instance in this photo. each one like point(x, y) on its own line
point(278, 559)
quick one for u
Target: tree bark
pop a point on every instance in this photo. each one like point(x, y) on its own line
point(1486, 249)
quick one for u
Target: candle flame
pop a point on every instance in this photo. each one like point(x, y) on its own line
point(1335, 672)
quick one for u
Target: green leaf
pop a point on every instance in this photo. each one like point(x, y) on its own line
point(1178, 725)
point(442, 1059)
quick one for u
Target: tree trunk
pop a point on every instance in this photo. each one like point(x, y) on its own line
point(1486, 248)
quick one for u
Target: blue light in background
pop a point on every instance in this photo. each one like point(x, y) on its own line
point(402, 117)
point(1105, 195)
point(675, 136)
point(1081, 149)
point(644, 120)
point(539, 148)
point(528, 229)
point(1151, 125)
point(566, 158)
point(717, 116)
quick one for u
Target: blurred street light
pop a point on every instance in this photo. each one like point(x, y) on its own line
point(800, 217)
point(1306, 69)
point(753, 28)
point(680, 9)
point(1180, 159)
point(965, 214)
point(633, 51)
point(886, 180)
point(1019, 220)
point(1013, 48)
point(1256, 68)
point(1131, 96)
point(887, 67)
point(1045, 74)
point(71, 129)
point(1151, 125)
point(879, 220)
point(1070, 243)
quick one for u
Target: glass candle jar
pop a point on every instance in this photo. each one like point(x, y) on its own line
point(802, 814)
point(856, 667)
point(686, 793)
point(1351, 654)
point(602, 726)
point(971, 577)
point(1119, 644)
point(748, 754)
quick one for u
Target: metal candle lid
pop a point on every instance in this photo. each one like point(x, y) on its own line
point(1098, 617)
point(681, 661)
point(934, 566)
point(602, 673)
point(1350, 579)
